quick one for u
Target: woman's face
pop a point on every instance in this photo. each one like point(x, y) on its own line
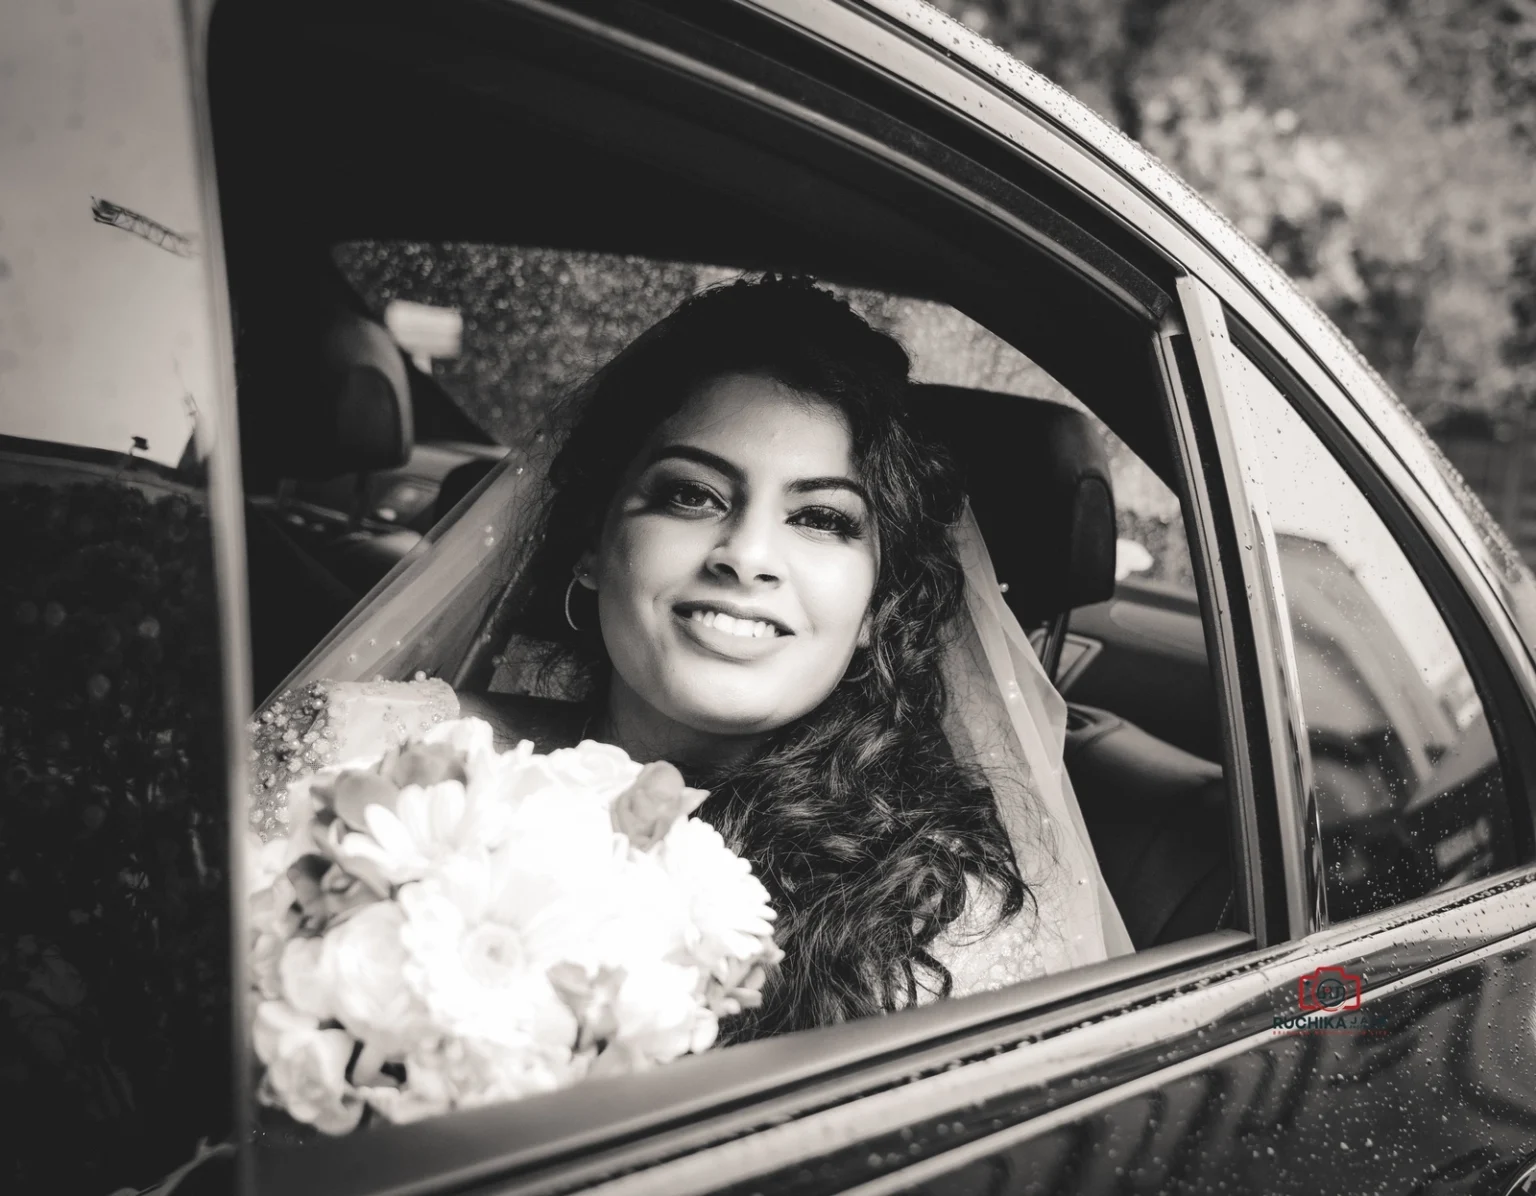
point(736, 564)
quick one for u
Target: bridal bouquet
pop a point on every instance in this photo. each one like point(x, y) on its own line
point(451, 926)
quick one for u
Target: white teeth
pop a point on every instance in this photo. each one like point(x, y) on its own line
point(720, 621)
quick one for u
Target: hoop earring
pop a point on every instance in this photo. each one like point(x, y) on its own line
point(570, 621)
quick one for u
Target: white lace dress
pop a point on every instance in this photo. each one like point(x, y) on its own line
point(329, 722)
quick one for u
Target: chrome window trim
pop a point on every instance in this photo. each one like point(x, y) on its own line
point(1259, 567)
point(1206, 536)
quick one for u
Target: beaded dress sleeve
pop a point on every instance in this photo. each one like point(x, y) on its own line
point(983, 954)
point(332, 722)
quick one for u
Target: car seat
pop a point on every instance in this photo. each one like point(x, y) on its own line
point(1039, 483)
point(335, 404)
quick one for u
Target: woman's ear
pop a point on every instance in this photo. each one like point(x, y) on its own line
point(586, 569)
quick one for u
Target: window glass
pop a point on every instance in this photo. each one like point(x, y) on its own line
point(114, 987)
point(1409, 790)
point(535, 322)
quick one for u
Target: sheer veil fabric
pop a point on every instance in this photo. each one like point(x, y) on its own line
point(1009, 721)
point(441, 615)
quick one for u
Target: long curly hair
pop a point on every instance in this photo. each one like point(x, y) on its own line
point(866, 830)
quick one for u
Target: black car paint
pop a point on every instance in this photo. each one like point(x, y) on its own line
point(1447, 1097)
point(1439, 1096)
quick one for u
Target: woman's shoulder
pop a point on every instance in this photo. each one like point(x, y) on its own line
point(514, 717)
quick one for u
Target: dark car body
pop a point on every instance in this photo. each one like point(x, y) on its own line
point(1190, 1066)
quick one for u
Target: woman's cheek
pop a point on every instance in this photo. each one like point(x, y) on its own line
point(837, 599)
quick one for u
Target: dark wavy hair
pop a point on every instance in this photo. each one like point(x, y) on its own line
point(859, 819)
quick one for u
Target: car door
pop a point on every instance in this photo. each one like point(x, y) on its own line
point(122, 670)
point(1172, 1069)
point(1396, 1055)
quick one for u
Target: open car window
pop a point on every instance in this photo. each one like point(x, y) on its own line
point(517, 301)
point(533, 324)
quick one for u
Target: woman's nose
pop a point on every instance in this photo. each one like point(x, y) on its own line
point(747, 550)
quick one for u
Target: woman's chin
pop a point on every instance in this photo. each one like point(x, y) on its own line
point(735, 711)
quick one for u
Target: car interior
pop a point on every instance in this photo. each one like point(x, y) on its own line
point(490, 128)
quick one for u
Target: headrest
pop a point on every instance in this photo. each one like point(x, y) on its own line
point(340, 404)
point(1038, 479)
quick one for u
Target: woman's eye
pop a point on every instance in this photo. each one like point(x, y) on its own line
point(687, 496)
point(829, 520)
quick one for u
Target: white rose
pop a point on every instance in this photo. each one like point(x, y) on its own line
point(660, 1014)
point(475, 1072)
point(600, 769)
point(361, 967)
point(470, 737)
point(306, 1068)
point(264, 862)
point(269, 907)
point(647, 917)
point(266, 956)
point(425, 1093)
point(303, 984)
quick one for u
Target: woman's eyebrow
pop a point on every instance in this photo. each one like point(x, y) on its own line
point(688, 452)
point(807, 485)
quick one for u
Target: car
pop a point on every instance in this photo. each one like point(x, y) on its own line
point(1299, 656)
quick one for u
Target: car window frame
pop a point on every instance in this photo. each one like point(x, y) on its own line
point(1458, 589)
point(1162, 970)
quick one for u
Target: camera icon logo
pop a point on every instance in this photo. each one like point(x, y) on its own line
point(1328, 990)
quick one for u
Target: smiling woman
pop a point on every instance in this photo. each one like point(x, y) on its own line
point(753, 565)
point(778, 483)
point(734, 573)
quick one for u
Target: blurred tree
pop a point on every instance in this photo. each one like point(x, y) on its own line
point(1381, 150)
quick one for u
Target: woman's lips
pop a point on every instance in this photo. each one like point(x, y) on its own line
point(733, 625)
point(727, 635)
point(732, 618)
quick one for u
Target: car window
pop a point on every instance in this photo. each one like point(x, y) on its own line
point(1410, 794)
point(534, 323)
point(114, 877)
point(504, 332)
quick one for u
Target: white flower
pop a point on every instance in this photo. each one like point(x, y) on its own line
point(472, 738)
point(303, 985)
point(427, 824)
point(600, 770)
point(727, 907)
point(306, 1068)
point(659, 1017)
point(361, 968)
point(265, 862)
point(266, 955)
point(471, 963)
point(471, 1072)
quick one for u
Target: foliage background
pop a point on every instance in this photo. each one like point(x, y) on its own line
point(1383, 151)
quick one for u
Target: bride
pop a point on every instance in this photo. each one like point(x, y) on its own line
point(748, 562)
